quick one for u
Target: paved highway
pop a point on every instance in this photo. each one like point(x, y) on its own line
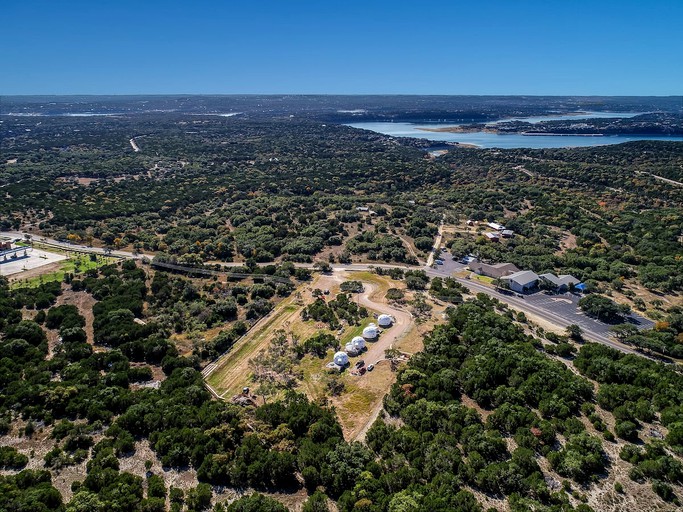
point(559, 316)
point(69, 246)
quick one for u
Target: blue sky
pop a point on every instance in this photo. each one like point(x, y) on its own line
point(598, 47)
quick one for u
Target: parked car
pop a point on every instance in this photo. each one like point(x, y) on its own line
point(371, 367)
point(360, 364)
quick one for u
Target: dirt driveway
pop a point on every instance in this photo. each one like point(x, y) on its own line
point(371, 299)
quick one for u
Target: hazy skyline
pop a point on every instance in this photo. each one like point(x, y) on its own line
point(262, 47)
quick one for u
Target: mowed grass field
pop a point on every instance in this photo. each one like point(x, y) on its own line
point(75, 265)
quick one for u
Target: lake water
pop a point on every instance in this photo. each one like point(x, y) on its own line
point(515, 140)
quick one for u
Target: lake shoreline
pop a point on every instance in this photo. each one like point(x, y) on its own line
point(488, 135)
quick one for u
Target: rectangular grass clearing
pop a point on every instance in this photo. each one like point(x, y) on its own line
point(77, 266)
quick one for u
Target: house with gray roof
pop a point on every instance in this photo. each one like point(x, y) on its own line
point(522, 281)
point(561, 282)
point(495, 271)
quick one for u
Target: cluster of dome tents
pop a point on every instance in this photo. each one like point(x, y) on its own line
point(357, 344)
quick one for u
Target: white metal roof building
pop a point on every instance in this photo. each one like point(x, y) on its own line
point(522, 281)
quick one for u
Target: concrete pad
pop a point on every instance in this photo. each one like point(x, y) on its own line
point(36, 258)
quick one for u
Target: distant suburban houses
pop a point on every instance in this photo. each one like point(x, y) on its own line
point(496, 226)
point(498, 231)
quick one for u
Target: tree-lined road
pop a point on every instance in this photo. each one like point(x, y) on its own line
point(593, 330)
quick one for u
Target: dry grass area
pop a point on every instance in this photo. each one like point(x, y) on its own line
point(36, 447)
point(232, 371)
point(40, 443)
point(568, 241)
point(361, 401)
point(632, 285)
point(35, 272)
point(602, 495)
point(462, 227)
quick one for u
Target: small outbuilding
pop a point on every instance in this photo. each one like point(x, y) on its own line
point(370, 332)
point(496, 226)
point(341, 359)
point(331, 367)
point(385, 320)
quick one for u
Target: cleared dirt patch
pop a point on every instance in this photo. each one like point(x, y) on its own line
point(567, 242)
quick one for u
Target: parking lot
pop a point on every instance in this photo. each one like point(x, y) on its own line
point(566, 306)
point(36, 258)
point(560, 309)
point(449, 266)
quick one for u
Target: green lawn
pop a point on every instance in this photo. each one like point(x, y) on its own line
point(76, 265)
point(356, 330)
point(484, 279)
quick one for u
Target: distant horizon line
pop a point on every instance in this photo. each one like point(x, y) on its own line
point(52, 95)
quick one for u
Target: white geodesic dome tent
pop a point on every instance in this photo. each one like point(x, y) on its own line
point(370, 332)
point(358, 343)
point(341, 359)
point(384, 320)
